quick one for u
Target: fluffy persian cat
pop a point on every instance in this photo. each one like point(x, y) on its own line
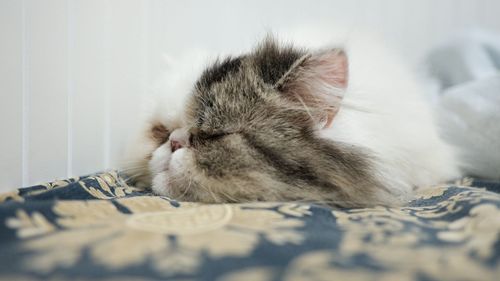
point(338, 124)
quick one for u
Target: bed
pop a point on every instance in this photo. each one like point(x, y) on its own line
point(98, 227)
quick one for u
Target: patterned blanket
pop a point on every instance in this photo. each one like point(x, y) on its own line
point(98, 227)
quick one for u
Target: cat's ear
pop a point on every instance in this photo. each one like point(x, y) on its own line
point(318, 81)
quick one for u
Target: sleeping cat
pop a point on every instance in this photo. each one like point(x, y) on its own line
point(337, 125)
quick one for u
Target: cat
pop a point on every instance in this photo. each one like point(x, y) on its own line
point(338, 125)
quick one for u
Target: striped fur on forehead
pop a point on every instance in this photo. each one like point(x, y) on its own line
point(225, 94)
point(270, 61)
point(273, 61)
point(218, 71)
point(313, 81)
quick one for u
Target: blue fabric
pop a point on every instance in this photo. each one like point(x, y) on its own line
point(98, 227)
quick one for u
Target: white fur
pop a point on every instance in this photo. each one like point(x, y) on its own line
point(164, 105)
point(383, 112)
point(163, 165)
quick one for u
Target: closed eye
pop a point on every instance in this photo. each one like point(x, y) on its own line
point(208, 136)
point(211, 135)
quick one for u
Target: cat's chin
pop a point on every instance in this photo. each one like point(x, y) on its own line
point(160, 184)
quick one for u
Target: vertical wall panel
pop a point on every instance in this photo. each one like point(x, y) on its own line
point(11, 93)
point(466, 13)
point(488, 14)
point(128, 74)
point(89, 56)
point(73, 73)
point(47, 82)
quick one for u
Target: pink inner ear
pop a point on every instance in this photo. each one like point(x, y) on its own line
point(329, 119)
point(318, 81)
point(333, 67)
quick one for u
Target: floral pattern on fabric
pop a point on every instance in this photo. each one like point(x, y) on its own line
point(98, 227)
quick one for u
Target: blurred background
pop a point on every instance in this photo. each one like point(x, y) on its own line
point(73, 73)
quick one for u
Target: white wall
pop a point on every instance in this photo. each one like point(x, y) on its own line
point(74, 72)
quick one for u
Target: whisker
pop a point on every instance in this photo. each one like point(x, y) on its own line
point(186, 191)
point(209, 190)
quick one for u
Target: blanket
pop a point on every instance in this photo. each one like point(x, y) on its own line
point(98, 227)
point(467, 71)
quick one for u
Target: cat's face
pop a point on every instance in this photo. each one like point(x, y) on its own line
point(250, 132)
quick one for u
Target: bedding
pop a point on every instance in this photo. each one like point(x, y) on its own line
point(98, 227)
point(466, 72)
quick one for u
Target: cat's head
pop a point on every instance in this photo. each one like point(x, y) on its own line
point(250, 131)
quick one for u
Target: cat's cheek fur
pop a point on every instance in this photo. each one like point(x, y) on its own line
point(160, 184)
point(160, 159)
point(158, 167)
point(167, 168)
point(178, 160)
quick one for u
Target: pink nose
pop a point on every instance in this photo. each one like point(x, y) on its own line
point(179, 138)
point(175, 145)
